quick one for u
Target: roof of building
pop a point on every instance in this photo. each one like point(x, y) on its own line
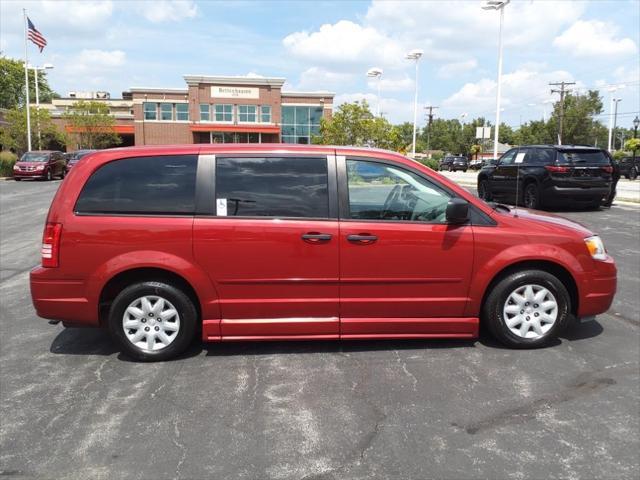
point(235, 80)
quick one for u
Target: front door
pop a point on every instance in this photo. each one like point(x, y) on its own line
point(503, 180)
point(403, 270)
point(272, 247)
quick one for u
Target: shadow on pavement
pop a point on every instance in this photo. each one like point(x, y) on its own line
point(90, 341)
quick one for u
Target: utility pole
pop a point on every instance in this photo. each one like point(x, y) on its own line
point(615, 118)
point(562, 93)
point(429, 122)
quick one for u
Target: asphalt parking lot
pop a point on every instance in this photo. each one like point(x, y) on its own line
point(72, 407)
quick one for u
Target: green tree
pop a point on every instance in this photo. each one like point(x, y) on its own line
point(405, 135)
point(91, 125)
point(12, 84)
point(13, 136)
point(354, 124)
point(579, 125)
point(632, 144)
point(535, 132)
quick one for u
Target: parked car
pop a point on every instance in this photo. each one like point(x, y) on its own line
point(292, 242)
point(476, 164)
point(454, 163)
point(546, 175)
point(74, 157)
point(629, 167)
point(42, 164)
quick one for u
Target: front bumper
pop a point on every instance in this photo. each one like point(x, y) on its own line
point(27, 174)
point(599, 289)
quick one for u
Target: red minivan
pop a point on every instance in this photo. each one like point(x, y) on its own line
point(297, 242)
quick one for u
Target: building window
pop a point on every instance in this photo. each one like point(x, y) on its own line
point(150, 111)
point(300, 124)
point(247, 113)
point(166, 111)
point(205, 114)
point(182, 112)
point(224, 113)
point(265, 114)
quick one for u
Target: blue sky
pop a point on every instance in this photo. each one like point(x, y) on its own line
point(114, 45)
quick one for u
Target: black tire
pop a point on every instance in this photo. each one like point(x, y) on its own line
point(17, 179)
point(63, 174)
point(48, 177)
point(464, 171)
point(633, 174)
point(531, 196)
point(183, 304)
point(492, 312)
point(484, 190)
point(451, 169)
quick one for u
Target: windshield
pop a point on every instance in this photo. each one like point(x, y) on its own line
point(35, 157)
point(583, 156)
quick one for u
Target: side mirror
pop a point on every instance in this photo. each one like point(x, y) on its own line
point(457, 211)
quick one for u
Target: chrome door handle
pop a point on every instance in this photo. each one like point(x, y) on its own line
point(313, 237)
point(362, 239)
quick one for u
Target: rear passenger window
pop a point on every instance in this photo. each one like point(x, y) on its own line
point(272, 187)
point(143, 185)
point(541, 156)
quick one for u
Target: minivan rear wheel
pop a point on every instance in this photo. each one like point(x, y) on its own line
point(152, 321)
point(527, 309)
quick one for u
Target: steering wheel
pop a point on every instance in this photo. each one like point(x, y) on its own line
point(391, 198)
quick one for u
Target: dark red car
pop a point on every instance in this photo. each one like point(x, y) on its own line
point(42, 164)
point(286, 242)
point(74, 157)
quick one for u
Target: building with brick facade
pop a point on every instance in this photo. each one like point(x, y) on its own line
point(212, 109)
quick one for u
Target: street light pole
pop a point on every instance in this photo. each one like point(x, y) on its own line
point(376, 72)
point(415, 55)
point(497, 5)
point(636, 123)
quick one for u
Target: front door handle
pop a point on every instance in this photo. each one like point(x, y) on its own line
point(362, 239)
point(314, 237)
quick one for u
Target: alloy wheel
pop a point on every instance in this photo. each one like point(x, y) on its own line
point(530, 311)
point(151, 322)
point(531, 196)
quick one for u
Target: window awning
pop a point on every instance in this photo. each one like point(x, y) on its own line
point(201, 127)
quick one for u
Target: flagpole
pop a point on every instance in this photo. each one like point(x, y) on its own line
point(26, 80)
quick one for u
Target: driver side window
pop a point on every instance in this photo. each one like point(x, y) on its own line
point(509, 157)
point(384, 192)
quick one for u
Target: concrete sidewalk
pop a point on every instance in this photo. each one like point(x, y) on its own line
point(628, 191)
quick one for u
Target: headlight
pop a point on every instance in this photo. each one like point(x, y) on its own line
point(596, 247)
point(16, 167)
point(39, 167)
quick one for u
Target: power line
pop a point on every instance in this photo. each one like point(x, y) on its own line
point(562, 93)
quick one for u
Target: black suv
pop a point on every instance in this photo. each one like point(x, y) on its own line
point(630, 167)
point(543, 175)
point(453, 163)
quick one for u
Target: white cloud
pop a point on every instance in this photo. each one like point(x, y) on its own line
point(522, 90)
point(317, 78)
point(91, 68)
point(401, 84)
point(392, 109)
point(593, 38)
point(168, 10)
point(344, 43)
point(450, 70)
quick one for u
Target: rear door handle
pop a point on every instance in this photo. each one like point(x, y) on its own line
point(313, 237)
point(362, 239)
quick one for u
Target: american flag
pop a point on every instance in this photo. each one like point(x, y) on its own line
point(35, 36)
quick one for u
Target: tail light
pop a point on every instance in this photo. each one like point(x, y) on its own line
point(608, 169)
point(51, 245)
point(556, 169)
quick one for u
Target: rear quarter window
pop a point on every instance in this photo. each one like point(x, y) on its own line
point(142, 185)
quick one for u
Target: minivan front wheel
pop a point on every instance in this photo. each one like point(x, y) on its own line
point(527, 309)
point(152, 321)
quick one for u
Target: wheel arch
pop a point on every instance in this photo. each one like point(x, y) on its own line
point(121, 280)
point(555, 269)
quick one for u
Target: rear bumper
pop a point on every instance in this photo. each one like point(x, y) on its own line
point(599, 289)
point(61, 299)
point(579, 194)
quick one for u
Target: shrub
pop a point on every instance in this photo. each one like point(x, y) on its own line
point(7, 161)
point(432, 163)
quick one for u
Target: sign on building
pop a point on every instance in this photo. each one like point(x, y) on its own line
point(234, 92)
